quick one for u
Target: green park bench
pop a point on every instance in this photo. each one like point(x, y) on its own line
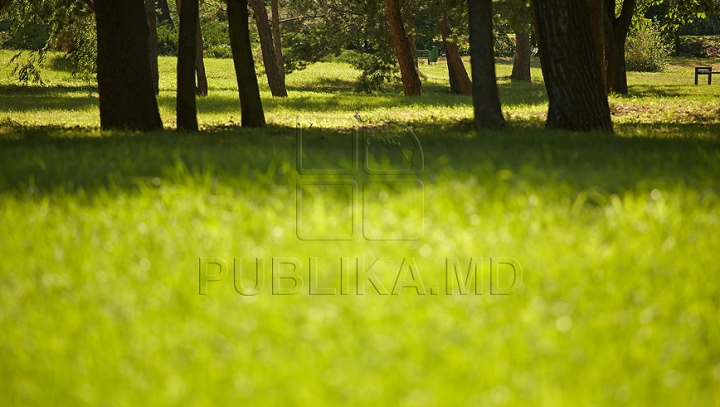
point(705, 70)
point(432, 54)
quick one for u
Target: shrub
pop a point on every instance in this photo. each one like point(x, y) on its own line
point(646, 49)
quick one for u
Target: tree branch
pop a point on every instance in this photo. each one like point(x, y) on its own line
point(90, 4)
point(287, 20)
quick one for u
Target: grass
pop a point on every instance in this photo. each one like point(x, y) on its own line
point(617, 236)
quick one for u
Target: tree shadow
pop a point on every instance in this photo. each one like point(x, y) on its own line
point(40, 160)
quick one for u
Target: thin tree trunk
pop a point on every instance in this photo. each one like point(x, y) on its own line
point(486, 98)
point(151, 17)
point(125, 85)
point(408, 72)
point(616, 31)
point(521, 63)
point(202, 84)
point(573, 76)
point(277, 86)
point(250, 102)
point(201, 88)
point(164, 14)
point(277, 38)
point(459, 80)
point(187, 43)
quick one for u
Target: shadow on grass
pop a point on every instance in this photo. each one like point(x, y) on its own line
point(40, 160)
point(32, 98)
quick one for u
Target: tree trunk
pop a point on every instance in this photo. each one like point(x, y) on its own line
point(277, 86)
point(676, 42)
point(250, 102)
point(409, 20)
point(277, 38)
point(187, 43)
point(459, 80)
point(125, 84)
point(486, 98)
point(573, 77)
point(151, 17)
point(201, 88)
point(616, 31)
point(596, 8)
point(202, 84)
point(521, 63)
point(164, 14)
point(408, 73)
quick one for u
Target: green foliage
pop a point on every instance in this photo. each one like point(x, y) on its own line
point(646, 49)
point(376, 71)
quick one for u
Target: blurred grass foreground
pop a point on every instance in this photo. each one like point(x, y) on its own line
point(105, 238)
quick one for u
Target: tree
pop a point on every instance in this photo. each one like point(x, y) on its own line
point(125, 84)
point(202, 84)
point(164, 13)
point(277, 38)
point(408, 72)
point(151, 17)
point(187, 43)
point(250, 102)
point(573, 76)
point(275, 81)
point(517, 15)
point(616, 31)
point(486, 98)
point(459, 80)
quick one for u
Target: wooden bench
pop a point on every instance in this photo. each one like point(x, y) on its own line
point(705, 70)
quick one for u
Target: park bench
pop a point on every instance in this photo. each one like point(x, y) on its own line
point(705, 70)
point(431, 54)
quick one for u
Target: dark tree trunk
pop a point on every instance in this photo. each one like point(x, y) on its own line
point(676, 42)
point(521, 63)
point(459, 80)
point(408, 72)
point(202, 84)
point(616, 31)
point(187, 43)
point(164, 14)
point(201, 88)
point(277, 38)
point(123, 67)
point(486, 98)
point(153, 43)
point(250, 102)
point(573, 77)
point(277, 86)
point(596, 8)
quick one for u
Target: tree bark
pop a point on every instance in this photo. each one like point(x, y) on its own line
point(279, 60)
point(616, 31)
point(187, 43)
point(151, 17)
point(277, 86)
point(250, 102)
point(521, 63)
point(201, 88)
point(125, 84)
point(596, 8)
point(164, 15)
point(486, 98)
point(459, 80)
point(202, 84)
point(573, 77)
point(409, 20)
point(408, 72)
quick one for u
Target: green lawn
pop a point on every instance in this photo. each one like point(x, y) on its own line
point(101, 235)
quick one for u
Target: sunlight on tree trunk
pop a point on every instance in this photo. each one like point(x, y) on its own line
point(153, 43)
point(277, 38)
point(521, 62)
point(277, 85)
point(459, 80)
point(408, 72)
